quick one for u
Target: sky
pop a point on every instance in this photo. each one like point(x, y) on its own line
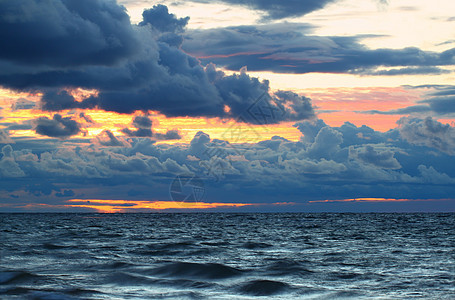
point(227, 106)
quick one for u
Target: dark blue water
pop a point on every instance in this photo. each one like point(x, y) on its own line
point(225, 256)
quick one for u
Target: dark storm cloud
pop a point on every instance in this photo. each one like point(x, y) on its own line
point(288, 48)
point(279, 9)
point(86, 118)
point(142, 122)
point(143, 127)
point(441, 101)
point(407, 71)
point(158, 76)
point(401, 111)
point(65, 33)
point(441, 105)
point(58, 126)
point(443, 90)
point(58, 100)
point(169, 135)
point(107, 138)
point(248, 100)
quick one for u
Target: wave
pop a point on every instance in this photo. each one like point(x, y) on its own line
point(220, 257)
point(128, 279)
point(287, 267)
point(256, 245)
point(215, 244)
point(264, 287)
point(117, 265)
point(52, 246)
point(172, 249)
point(48, 294)
point(197, 270)
point(346, 275)
point(9, 277)
point(172, 246)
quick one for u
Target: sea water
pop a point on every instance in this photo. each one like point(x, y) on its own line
point(227, 256)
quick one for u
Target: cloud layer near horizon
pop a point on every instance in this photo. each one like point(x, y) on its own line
point(413, 161)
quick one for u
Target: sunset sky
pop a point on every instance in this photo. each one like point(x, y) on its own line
point(311, 105)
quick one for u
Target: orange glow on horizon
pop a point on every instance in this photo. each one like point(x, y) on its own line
point(112, 206)
point(376, 200)
point(127, 206)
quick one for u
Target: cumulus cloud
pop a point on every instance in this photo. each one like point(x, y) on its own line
point(199, 143)
point(160, 18)
point(310, 129)
point(382, 159)
point(8, 166)
point(428, 132)
point(326, 158)
point(429, 174)
point(58, 126)
point(329, 162)
point(5, 138)
point(167, 26)
point(320, 167)
point(326, 143)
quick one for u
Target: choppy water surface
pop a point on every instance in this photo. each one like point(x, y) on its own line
point(225, 256)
